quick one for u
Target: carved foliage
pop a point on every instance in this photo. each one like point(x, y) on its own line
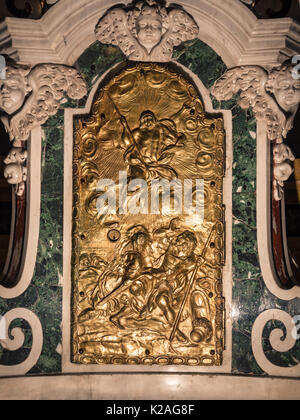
point(283, 168)
point(250, 82)
point(15, 171)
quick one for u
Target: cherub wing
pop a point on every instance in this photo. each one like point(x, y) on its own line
point(251, 81)
point(182, 27)
point(113, 29)
point(49, 82)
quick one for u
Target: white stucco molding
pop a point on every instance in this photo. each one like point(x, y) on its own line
point(229, 27)
point(279, 340)
point(15, 340)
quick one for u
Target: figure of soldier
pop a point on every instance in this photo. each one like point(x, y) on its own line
point(178, 262)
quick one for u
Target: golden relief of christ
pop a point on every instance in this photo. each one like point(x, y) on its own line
point(147, 284)
point(148, 148)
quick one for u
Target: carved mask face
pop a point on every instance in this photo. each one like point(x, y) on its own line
point(12, 93)
point(149, 30)
point(287, 91)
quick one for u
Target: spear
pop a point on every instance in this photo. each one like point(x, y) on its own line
point(189, 287)
point(115, 292)
point(129, 131)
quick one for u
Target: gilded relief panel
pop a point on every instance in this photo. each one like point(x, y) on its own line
point(148, 224)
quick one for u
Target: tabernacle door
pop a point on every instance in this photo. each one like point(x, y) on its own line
point(148, 223)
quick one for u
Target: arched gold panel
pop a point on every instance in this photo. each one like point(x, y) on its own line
point(147, 281)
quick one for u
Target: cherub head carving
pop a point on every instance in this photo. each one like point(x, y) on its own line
point(14, 88)
point(29, 96)
point(274, 96)
point(148, 24)
point(146, 30)
point(284, 87)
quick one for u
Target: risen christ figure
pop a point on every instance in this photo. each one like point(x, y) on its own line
point(147, 147)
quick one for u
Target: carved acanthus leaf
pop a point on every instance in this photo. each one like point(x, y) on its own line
point(147, 30)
